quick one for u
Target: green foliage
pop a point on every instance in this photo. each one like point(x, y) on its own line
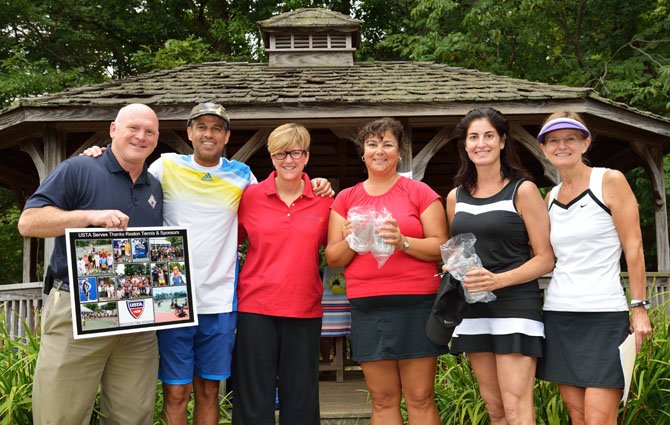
point(459, 403)
point(650, 390)
point(642, 188)
point(11, 254)
point(17, 362)
point(457, 392)
point(173, 53)
point(621, 49)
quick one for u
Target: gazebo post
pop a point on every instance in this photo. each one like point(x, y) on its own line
point(45, 161)
point(406, 164)
point(652, 158)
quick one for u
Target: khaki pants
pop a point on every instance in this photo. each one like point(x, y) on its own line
point(69, 372)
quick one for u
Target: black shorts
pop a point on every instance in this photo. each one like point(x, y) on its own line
point(391, 327)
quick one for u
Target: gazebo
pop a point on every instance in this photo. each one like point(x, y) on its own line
point(312, 78)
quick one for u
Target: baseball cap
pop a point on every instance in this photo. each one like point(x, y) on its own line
point(562, 124)
point(447, 311)
point(208, 108)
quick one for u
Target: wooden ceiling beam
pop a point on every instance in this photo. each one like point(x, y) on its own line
point(252, 145)
point(533, 147)
point(422, 159)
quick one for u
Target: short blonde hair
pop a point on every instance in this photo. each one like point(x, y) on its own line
point(283, 137)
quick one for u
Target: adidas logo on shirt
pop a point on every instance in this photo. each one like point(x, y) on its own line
point(207, 178)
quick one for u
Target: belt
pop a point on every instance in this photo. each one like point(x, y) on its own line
point(61, 285)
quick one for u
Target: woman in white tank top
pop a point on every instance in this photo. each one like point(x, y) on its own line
point(594, 218)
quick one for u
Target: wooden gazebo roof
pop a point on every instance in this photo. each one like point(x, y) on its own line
point(425, 95)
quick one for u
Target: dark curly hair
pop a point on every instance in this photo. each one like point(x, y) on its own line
point(378, 128)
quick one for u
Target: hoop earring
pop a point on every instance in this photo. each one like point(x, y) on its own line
point(363, 158)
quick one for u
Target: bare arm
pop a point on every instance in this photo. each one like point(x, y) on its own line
point(47, 222)
point(338, 252)
point(621, 201)
point(451, 206)
point(534, 212)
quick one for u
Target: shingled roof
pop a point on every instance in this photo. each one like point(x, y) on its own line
point(257, 84)
point(310, 18)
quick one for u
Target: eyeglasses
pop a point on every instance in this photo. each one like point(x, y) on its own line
point(296, 154)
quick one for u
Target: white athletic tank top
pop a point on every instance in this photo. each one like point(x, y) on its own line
point(587, 249)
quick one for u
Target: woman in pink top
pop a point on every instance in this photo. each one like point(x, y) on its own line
point(390, 305)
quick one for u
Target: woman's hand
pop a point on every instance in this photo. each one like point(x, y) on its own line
point(391, 233)
point(481, 280)
point(346, 229)
point(640, 326)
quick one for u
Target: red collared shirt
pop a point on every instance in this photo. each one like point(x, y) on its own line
point(280, 276)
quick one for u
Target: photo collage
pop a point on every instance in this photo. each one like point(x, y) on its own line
point(131, 281)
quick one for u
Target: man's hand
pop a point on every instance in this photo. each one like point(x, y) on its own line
point(322, 187)
point(94, 151)
point(109, 218)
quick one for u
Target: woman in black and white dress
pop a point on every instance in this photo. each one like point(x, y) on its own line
point(505, 212)
point(594, 217)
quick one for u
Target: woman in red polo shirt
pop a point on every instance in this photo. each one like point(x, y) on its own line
point(390, 305)
point(279, 290)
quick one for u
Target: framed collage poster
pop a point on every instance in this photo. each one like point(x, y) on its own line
point(129, 281)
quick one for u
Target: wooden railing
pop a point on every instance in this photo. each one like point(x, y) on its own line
point(22, 302)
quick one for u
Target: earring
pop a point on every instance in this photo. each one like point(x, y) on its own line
point(363, 158)
point(400, 158)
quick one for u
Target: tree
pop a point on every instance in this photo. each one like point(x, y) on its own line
point(621, 49)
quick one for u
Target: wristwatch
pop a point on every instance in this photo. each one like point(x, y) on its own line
point(640, 303)
point(405, 244)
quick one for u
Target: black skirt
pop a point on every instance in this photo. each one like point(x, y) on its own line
point(582, 349)
point(391, 327)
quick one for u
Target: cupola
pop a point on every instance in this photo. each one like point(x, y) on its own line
point(311, 37)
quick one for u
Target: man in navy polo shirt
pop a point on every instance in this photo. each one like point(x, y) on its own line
point(113, 191)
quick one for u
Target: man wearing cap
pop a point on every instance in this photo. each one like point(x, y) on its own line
point(202, 192)
point(69, 371)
